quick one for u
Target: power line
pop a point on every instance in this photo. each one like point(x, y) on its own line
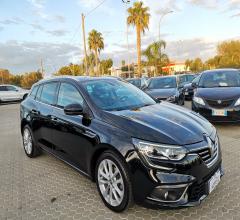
point(91, 11)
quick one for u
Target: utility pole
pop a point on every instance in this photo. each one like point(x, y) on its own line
point(42, 70)
point(84, 43)
point(128, 60)
point(159, 33)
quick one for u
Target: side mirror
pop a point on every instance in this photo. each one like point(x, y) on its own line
point(73, 109)
point(194, 85)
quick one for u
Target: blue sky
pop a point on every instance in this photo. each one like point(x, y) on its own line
point(31, 30)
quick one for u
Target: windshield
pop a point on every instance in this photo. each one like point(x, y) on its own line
point(163, 83)
point(220, 79)
point(135, 82)
point(116, 95)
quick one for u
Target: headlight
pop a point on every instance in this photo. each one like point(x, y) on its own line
point(171, 98)
point(159, 151)
point(237, 102)
point(198, 100)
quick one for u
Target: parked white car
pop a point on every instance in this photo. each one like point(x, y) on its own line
point(12, 93)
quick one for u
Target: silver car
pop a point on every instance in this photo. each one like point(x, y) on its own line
point(12, 93)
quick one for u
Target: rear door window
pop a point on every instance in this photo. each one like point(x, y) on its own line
point(49, 93)
point(11, 88)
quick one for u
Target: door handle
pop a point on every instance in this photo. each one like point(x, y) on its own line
point(35, 112)
point(53, 118)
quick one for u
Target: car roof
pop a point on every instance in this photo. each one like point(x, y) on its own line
point(221, 70)
point(6, 85)
point(79, 79)
point(160, 77)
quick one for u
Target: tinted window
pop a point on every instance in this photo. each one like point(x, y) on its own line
point(116, 95)
point(48, 93)
point(34, 91)
point(220, 79)
point(11, 88)
point(163, 83)
point(136, 82)
point(39, 92)
point(196, 80)
point(68, 94)
point(3, 88)
point(190, 78)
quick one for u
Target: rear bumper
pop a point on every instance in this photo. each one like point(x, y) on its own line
point(233, 114)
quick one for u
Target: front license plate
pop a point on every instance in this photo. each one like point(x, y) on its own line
point(214, 181)
point(219, 112)
point(186, 93)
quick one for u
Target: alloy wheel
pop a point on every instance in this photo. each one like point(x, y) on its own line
point(27, 141)
point(110, 182)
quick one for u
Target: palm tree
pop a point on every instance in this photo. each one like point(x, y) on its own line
point(138, 16)
point(96, 44)
point(155, 56)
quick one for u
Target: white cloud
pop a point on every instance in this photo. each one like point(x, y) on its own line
point(21, 57)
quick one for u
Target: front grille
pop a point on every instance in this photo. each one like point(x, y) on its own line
point(219, 103)
point(210, 153)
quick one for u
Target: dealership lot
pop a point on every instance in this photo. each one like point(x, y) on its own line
point(46, 188)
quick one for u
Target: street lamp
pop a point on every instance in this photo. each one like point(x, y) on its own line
point(160, 20)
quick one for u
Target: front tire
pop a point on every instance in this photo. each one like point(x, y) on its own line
point(113, 182)
point(30, 148)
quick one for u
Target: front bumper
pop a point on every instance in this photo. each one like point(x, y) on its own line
point(185, 185)
point(188, 94)
point(192, 195)
point(233, 113)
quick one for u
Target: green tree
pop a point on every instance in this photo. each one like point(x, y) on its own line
point(195, 65)
point(5, 76)
point(76, 70)
point(28, 79)
point(154, 55)
point(105, 65)
point(188, 63)
point(138, 16)
point(229, 54)
point(96, 44)
point(16, 80)
point(65, 70)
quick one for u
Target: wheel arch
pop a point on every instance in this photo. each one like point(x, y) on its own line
point(24, 122)
point(101, 148)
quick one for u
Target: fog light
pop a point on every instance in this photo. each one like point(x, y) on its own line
point(169, 193)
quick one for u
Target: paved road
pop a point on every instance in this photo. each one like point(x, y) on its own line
point(46, 188)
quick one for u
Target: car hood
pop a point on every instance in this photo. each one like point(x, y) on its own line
point(162, 123)
point(161, 93)
point(222, 93)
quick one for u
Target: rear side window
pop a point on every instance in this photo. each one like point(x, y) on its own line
point(34, 91)
point(3, 88)
point(39, 92)
point(11, 88)
point(68, 94)
point(49, 93)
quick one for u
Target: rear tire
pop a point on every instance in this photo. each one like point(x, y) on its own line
point(29, 145)
point(113, 182)
point(24, 97)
